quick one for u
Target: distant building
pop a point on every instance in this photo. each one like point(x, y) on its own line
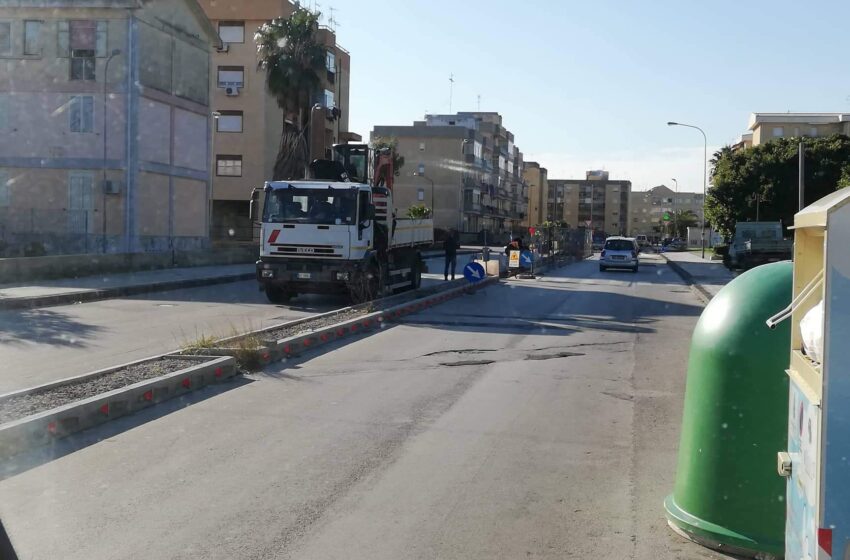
point(647, 209)
point(537, 178)
point(247, 135)
point(468, 165)
point(596, 202)
point(93, 161)
point(765, 127)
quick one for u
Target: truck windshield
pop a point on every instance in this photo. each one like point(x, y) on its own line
point(310, 206)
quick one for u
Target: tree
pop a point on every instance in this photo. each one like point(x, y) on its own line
point(292, 58)
point(680, 221)
point(418, 212)
point(768, 173)
point(384, 142)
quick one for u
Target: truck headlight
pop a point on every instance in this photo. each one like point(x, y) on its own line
point(342, 276)
point(267, 273)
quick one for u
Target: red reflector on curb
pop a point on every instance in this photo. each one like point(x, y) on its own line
point(340, 332)
point(148, 396)
point(51, 427)
point(324, 337)
point(218, 372)
point(353, 327)
point(366, 323)
point(267, 356)
point(186, 382)
point(307, 342)
point(104, 409)
point(287, 349)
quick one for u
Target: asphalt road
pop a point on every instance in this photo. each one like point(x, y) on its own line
point(534, 419)
point(42, 345)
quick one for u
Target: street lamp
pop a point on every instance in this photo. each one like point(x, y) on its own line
point(461, 197)
point(675, 217)
point(113, 54)
point(214, 170)
point(704, 175)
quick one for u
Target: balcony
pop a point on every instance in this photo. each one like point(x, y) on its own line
point(470, 206)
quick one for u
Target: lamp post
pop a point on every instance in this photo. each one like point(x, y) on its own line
point(704, 175)
point(214, 169)
point(675, 196)
point(113, 54)
point(461, 198)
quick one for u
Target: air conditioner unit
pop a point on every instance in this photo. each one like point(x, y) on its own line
point(231, 91)
point(111, 187)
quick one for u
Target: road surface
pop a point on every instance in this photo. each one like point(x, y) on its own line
point(535, 419)
point(42, 345)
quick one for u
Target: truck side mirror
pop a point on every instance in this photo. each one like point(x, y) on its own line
point(253, 205)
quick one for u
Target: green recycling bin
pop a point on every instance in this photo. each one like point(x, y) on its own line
point(728, 495)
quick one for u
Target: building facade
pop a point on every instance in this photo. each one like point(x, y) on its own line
point(248, 121)
point(647, 209)
point(537, 178)
point(764, 127)
point(104, 113)
point(466, 167)
point(596, 202)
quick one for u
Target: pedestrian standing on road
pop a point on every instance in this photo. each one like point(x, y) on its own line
point(450, 247)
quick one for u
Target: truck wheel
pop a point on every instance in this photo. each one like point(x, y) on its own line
point(278, 294)
point(416, 275)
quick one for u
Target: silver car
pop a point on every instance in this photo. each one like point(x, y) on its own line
point(620, 252)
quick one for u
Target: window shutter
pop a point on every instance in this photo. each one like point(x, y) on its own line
point(74, 114)
point(63, 40)
point(88, 113)
point(100, 48)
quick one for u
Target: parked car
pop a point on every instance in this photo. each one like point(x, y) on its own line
point(619, 252)
point(642, 242)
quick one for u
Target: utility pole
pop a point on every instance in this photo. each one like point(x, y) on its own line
point(479, 102)
point(801, 178)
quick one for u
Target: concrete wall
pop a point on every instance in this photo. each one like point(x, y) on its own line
point(72, 266)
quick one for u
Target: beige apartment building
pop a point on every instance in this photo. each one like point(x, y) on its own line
point(596, 202)
point(537, 178)
point(764, 127)
point(248, 119)
point(467, 168)
point(647, 209)
point(105, 124)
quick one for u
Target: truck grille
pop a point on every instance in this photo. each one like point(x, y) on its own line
point(305, 250)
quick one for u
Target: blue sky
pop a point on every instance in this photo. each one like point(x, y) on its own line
point(591, 84)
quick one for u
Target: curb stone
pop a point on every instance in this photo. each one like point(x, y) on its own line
point(698, 289)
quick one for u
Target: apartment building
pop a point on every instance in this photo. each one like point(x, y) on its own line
point(247, 117)
point(537, 178)
point(764, 127)
point(647, 209)
point(596, 202)
point(104, 113)
point(469, 166)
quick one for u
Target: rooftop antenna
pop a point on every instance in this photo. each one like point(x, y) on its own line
point(479, 102)
point(451, 90)
point(332, 22)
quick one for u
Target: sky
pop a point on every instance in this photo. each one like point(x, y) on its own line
point(591, 84)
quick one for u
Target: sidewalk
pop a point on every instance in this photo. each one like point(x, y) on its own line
point(705, 276)
point(43, 293)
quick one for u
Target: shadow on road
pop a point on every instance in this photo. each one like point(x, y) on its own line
point(28, 460)
point(44, 326)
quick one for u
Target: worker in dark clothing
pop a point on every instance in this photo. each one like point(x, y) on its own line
point(450, 247)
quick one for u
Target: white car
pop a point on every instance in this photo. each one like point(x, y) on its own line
point(620, 252)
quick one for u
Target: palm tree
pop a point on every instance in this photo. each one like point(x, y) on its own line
point(292, 58)
point(681, 220)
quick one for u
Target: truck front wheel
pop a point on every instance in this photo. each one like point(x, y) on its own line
point(278, 294)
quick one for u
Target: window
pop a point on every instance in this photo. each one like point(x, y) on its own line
point(330, 61)
point(5, 195)
point(778, 131)
point(5, 38)
point(420, 195)
point(82, 65)
point(32, 38)
point(229, 121)
point(231, 76)
point(100, 38)
point(228, 166)
point(421, 146)
point(232, 31)
point(82, 113)
point(814, 131)
point(329, 99)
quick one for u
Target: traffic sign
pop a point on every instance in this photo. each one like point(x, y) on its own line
point(526, 258)
point(531, 231)
point(513, 259)
point(666, 217)
point(474, 272)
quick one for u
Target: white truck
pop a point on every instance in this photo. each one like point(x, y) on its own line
point(757, 243)
point(338, 232)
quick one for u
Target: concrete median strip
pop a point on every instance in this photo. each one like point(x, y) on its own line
point(215, 366)
point(702, 294)
point(42, 428)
